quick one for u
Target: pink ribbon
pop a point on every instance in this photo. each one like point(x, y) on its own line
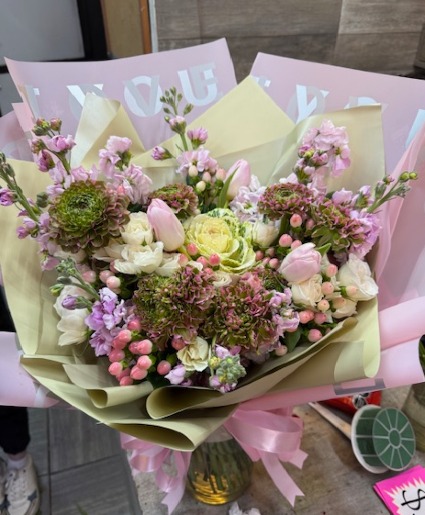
point(270, 436)
point(149, 457)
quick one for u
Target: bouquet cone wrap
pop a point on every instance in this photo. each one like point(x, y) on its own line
point(245, 123)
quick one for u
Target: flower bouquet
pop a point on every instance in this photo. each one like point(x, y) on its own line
point(219, 267)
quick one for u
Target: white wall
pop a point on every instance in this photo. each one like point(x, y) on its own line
point(36, 30)
point(40, 30)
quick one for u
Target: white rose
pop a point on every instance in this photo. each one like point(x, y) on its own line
point(346, 310)
point(356, 272)
point(195, 355)
point(136, 259)
point(71, 323)
point(264, 234)
point(169, 265)
point(222, 279)
point(308, 293)
point(138, 231)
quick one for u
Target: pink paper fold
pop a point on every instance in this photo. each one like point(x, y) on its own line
point(17, 387)
point(304, 88)
point(202, 73)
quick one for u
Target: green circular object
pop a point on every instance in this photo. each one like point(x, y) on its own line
point(393, 438)
point(362, 439)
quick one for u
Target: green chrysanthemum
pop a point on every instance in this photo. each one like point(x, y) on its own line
point(181, 198)
point(333, 224)
point(243, 316)
point(86, 215)
point(287, 199)
point(176, 305)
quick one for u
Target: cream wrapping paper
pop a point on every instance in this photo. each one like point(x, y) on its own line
point(245, 123)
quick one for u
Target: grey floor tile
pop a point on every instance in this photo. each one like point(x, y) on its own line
point(39, 445)
point(98, 488)
point(44, 486)
point(76, 438)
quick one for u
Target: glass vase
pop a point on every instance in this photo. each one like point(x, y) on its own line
point(220, 470)
point(414, 408)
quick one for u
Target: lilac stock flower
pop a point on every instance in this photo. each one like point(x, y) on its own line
point(342, 197)
point(199, 158)
point(135, 183)
point(160, 153)
point(7, 197)
point(117, 145)
point(244, 204)
point(60, 143)
point(176, 374)
point(290, 320)
point(371, 226)
point(107, 162)
point(28, 227)
point(101, 341)
point(22, 232)
point(70, 302)
point(107, 313)
point(197, 136)
point(45, 161)
point(177, 123)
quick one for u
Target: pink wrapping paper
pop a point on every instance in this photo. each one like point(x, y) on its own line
point(57, 90)
point(17, 387)
point(13, 141)
point(302, 88)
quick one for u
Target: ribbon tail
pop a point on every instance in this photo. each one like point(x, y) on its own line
point(178, 486)
point(298, 459)
point(286, 485)
point(172, 499)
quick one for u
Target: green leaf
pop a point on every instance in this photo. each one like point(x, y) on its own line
point(291, 339)
point(222, 198)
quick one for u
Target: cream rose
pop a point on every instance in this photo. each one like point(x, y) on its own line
point(222, 279)
point(135, 259)
point(169, 265)
point(195, 355)
point(356, 272)
point(308, 293)
point(347, 309)
point(71, 323)
point(138, 230)
point(264, 234)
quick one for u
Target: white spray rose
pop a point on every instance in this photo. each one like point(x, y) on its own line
point(195, 355)
point(264, 234)
point(308, 293)
point(346, 310)
point(135, 259)
point(169, 265)
point(356, 272)
point(138, 230)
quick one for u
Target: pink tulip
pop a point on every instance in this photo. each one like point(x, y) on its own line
point(301, 263)
point(241, 177)
point(166, 225)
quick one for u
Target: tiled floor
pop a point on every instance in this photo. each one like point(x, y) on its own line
point(81, 467)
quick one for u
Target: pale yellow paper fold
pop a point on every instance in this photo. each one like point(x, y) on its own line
point(244, 124)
